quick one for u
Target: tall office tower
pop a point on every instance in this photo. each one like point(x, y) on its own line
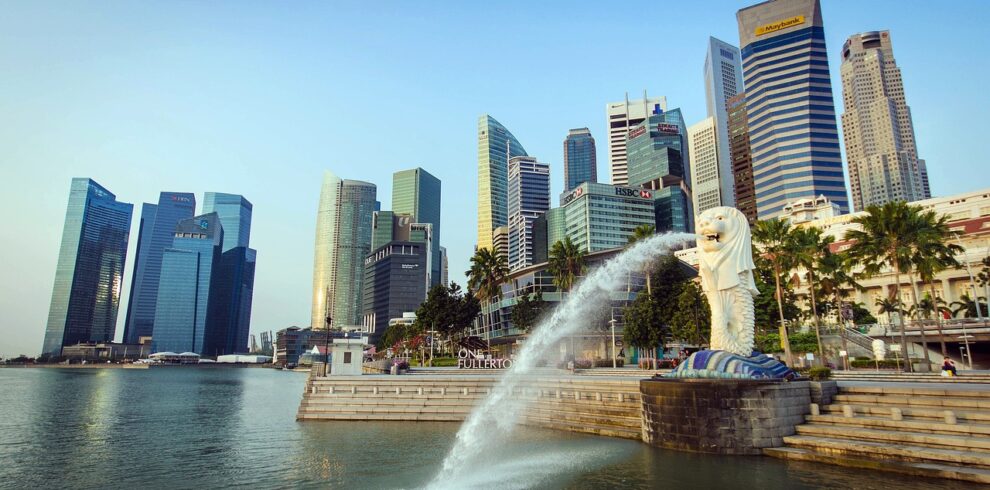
point(790, 111)
point(620, 117)
point(444, 267)
point(417, 193)
point(600, 217)
point(529, 198)
point(877, 128)
point(703, 147)
point(395, 282)
point(155, 234)
point(500, 242)
point(658, 161)
point(343, 240)
point(186, 292)
point(90, 268)
point(496, 146)
point(580, 159)
point(235, 272)
point(743, 189)
point(923, 169)
point(723, 80)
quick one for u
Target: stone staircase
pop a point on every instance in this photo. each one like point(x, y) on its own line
point(592, 405)
point(967, 377)
point(933, 432)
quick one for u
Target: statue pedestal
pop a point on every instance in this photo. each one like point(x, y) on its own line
point(722, 416)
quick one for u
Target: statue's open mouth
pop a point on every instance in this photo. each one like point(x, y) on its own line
point(713, 237)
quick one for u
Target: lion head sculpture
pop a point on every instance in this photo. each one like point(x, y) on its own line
point(726, 249)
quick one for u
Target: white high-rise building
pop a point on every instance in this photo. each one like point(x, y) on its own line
point(529, 198)
point(877, 127)
point(620, 117)
point(343, 240)
point(723, 81)
point(705, 152)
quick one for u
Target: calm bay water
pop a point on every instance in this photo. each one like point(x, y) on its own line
point(226, 427)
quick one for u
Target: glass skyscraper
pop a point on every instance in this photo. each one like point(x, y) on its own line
point(791, 115)
point(184, 291)
point(723, 81)
point(343, 240)
point(496, 145)
point(234, 279)
point(529, 198)
point(658, 161)
point(416, 192)
point(158, 222)
point(580, 159)
point(90, 268)
point(600, 216)
point(235, 217)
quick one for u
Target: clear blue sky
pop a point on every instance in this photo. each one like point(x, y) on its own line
point(257, 98)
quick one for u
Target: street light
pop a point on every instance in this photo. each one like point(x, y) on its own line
point(612, 322)
point(326, 347)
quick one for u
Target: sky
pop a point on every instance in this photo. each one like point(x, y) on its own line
point(259, 98)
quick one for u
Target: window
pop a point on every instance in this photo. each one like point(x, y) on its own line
point(347, 358)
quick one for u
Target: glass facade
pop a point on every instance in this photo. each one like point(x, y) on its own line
point(158, 222)
point(343, 240)
point(416, 192)
point(791, 114)
point(672, 210)
point(580, 159)
point(184, 291)
point(723, 81)
point(395, 280)
point(656, 151)
point(600, 217)
point(529, 198)
point(496, 145)
point(235, 217)
point(90, 268)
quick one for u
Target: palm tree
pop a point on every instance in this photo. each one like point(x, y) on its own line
point(642, 232)
point(888, 305)
point(810, 247)
point(488, 272)
point(566, 264)
point(967, 307)
point(887, 237)
point(932, 255)
point(775, 243)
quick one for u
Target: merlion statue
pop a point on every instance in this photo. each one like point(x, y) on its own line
point(725, 264)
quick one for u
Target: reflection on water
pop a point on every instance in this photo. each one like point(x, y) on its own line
point(225, 427)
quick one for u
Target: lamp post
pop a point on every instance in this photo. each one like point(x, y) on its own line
point(612, 322)
point(976, 303)
point(326, 347)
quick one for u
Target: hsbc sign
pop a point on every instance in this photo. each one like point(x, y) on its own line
point(629, 192)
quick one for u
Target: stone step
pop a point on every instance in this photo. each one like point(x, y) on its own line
point(912, 412)
point(949, 403)
point(436, 417)
point(932, 426)
point(971, 392)
point(368, 409)
point(634, 422)
point(927, 469)
point(602, 430)
point(978, 443)
point(886, 451)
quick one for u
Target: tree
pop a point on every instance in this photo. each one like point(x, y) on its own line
point(447, 310)
point(861, 315)
point(488, 272)
point(810, 248)
point(967, 307)
point(888, 237)
point(765, 303)
point(566, 263)
point(692, 320)
point(775, 244)
point(640, 318)
point(888, 305)
point(528, 311)
point(932, 255)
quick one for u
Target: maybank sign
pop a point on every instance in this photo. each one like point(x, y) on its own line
point(780, 24)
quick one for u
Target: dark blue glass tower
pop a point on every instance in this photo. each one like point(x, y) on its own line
point(184, 291)
point(235, 217)
point(657, 160)
point(230, 313)
point(158, 222)
point(90, 267)
point(580, 160)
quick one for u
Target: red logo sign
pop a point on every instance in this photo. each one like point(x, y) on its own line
point(645, 194)
point(578, 192)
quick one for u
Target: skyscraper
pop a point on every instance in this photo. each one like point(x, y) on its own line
point(395, 282)
point(600, 217)
point(706, 175)
point(620, 117)
point(723, 80)
point(791, 116)
point(343, 240)
point(743, 189)
point(235, 271)
point(185, 291)
point(877, 127)
point(580, 159)
point(444, 267)
point(496, 145)
point(417, 193)
point(90, 268)
point(658, 161)
point(529, 198)
point(155, 234)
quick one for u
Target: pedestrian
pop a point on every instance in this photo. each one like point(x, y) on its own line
point(948, 367)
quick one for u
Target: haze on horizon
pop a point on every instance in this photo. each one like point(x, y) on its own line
point(258, 98)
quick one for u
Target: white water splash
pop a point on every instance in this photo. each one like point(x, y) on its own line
point(492, 421)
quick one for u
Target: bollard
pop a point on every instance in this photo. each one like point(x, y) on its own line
point(443, 391)
point(577, 395)
point(398, 391)
point(331, 389)
point(896, 414)
point(558, 394)
point(847, 411)
point(374, 391)
point(815, 411)
point(353, 390)
point(464, 391)
point(622, 398)
point(598, 397)
point(313, 390)
point(419, 391)
point(950, 417)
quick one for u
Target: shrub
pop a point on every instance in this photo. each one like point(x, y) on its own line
point(401, 364)
point(647, 363)
point(608, 362)
point(583, 363)
point(819, 373)
point(444, 361)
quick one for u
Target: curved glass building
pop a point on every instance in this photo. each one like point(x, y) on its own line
point(496, 145)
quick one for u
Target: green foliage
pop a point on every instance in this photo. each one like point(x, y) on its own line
point(800, 342)
point(692, 320)
point(487, 273)
point(566, 263)
point(528, 311)
point(648, 320)
point(444, 361)
point(819, 373)
point(861, 315)
point(642, 232)
point(448, 310)
point(640, 317)
point(765, 304)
